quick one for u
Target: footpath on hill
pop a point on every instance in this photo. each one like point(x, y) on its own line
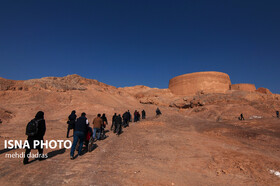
point(168, 150)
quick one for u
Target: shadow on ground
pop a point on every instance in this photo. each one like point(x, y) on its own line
point(5, 150)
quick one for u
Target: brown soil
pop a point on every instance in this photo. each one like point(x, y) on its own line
point(203, 145)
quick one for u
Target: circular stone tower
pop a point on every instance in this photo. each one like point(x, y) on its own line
point(208, 82)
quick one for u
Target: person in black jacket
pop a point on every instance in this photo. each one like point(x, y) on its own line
point(158, 112)
point(39, 118)
point(241, 117)
point(71, 122)
point(104, 118)
point(143, 114)
point(81, 128)
point(114, 123)
point(119, 124)
point(129, 116)
point(125, 117)
point(105, 122)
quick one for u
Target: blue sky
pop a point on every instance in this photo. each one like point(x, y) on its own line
point(145, 42)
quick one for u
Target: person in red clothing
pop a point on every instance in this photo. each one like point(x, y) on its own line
point(135, 116)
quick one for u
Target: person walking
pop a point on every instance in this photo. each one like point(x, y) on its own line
point(125, 117)
point(129, 116)
point(97, 123)
point(103, 126)
point(277, 114)
point(113, 126)
point(81, 128)
point(143, 114)
point(135, 116)
point(138, 116)
point(35, 130)
point(158, 112)
point(241, 117)
point(119, 124)
point(71, 122)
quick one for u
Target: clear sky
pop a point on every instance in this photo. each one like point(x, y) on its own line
point(144, 42)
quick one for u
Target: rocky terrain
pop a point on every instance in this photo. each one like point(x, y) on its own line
point(197, 141)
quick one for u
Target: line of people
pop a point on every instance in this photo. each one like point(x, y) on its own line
point(82, 132)
point(117, 123)
point(137, 115)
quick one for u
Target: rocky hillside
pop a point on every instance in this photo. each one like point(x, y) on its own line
point(198, 140)
point(59, 95)
point(70, 82)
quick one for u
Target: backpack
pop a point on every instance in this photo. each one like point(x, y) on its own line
point(32, 128)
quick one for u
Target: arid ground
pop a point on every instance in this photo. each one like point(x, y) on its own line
point(196, 141)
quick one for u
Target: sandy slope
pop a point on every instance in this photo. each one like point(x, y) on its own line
point(169, 150)
point(198, 145)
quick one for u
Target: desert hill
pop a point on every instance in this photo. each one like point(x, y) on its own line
point(197, 141)
point(61, 94)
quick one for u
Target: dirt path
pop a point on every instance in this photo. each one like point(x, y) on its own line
point(159, 151)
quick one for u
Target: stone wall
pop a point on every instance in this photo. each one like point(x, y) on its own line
point(243, 86)
point(207, 82)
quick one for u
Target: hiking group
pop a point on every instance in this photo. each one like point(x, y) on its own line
point(82, 132)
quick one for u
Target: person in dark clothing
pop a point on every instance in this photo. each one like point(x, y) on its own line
point(158, 112)
point(143, 114)
point(277, 114)
point(105, 122)
point(135, 116)
point(39, 136)
point(138, 116)
point(114, 123)
point(81, 128)
point(71, 122)
point(104, 118)
point(125, 117)
point(119, 124)
point(129, 116)
point(241, 117)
